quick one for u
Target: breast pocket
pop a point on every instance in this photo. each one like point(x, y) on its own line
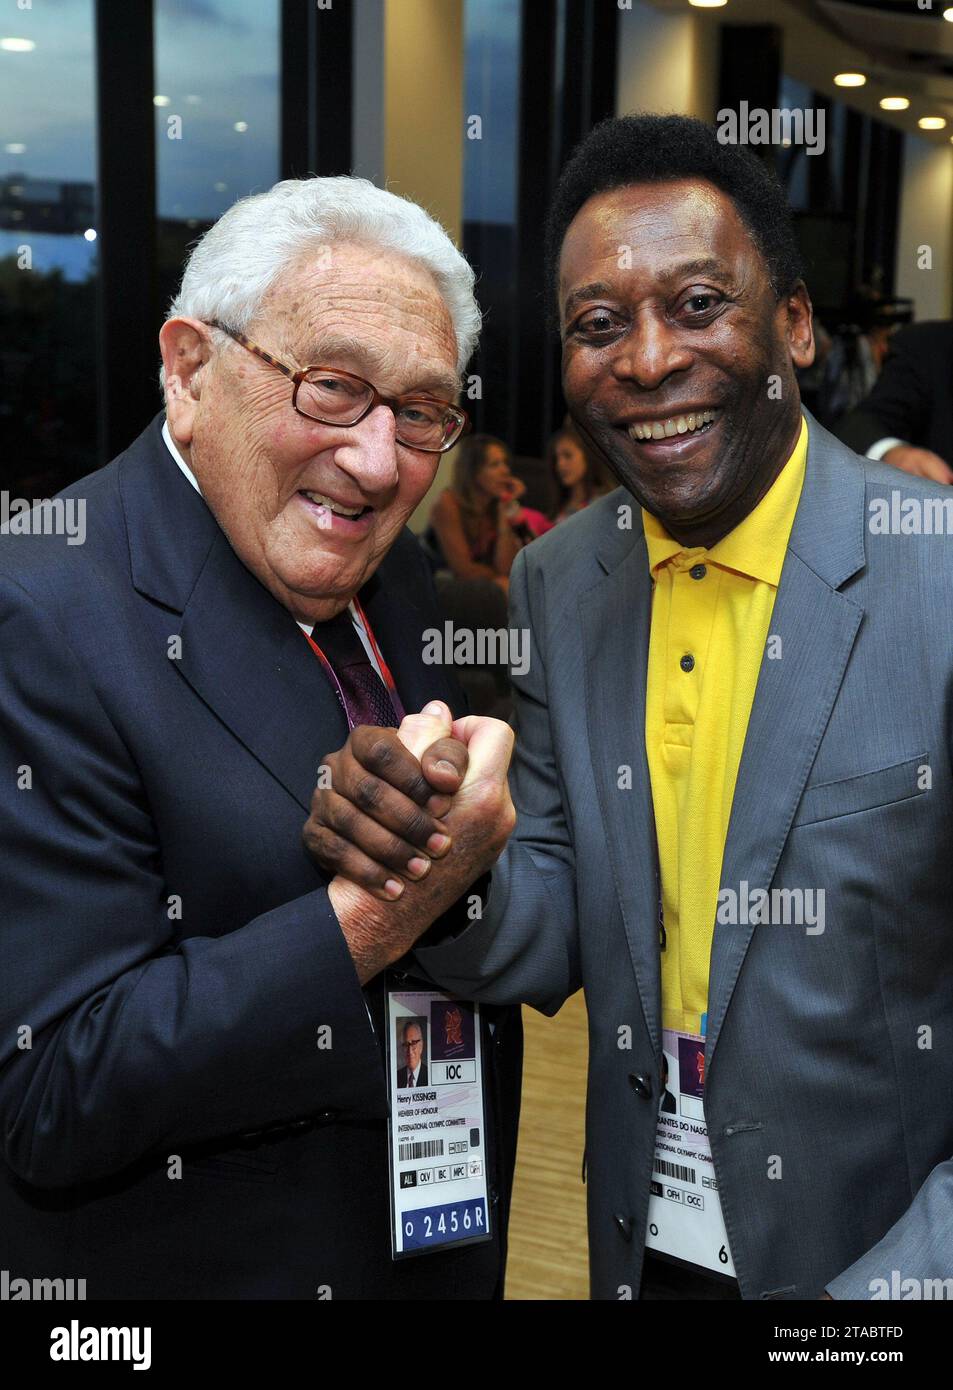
point(865, 792)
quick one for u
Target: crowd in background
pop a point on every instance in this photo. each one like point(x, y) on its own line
point(498, 504)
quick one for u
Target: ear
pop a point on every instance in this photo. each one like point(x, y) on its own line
point(800, 325)
point(186, 348)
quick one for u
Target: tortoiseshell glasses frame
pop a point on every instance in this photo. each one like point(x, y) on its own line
point(341, 398)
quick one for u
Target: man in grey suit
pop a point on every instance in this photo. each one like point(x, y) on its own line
point(823, 1052)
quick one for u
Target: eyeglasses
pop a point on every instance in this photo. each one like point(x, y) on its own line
point(334, 397)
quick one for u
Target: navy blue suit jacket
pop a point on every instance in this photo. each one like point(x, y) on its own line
point(167, 946)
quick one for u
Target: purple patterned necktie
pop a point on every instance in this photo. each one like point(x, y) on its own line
point(366, 698)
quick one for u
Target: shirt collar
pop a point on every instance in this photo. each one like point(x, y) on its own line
point(170, 445)
point(757, 545)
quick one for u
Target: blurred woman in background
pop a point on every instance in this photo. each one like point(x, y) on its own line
point(479, 522)
point(579, 476)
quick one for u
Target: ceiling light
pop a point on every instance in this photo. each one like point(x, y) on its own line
point(850, 79)
point(894, 103)
point(931, 122)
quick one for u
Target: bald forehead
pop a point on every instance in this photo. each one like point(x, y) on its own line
point(376, 308)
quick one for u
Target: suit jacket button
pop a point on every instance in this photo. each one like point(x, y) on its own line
point(641, 1084)
point(624, 1226)
point(326, 1116)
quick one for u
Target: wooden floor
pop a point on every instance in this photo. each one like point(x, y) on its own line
point(547, 1243)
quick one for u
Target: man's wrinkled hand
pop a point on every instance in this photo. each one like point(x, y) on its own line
point(379, 822)
point(478, 825)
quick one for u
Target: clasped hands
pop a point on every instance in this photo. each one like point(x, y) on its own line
point(412, 817)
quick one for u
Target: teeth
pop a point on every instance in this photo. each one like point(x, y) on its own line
point(333, 506)
point(678, 424)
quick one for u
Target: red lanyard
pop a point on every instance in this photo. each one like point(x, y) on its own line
point(384, 668)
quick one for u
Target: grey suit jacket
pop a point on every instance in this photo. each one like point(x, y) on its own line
point(831, 1051)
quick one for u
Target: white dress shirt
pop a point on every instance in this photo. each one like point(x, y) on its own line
point(883, 446)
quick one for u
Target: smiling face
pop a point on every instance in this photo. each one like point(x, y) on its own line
point(367, 311)
point(671, 331)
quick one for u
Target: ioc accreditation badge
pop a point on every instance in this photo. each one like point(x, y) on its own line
point(685, 1216)
point(437, 1141)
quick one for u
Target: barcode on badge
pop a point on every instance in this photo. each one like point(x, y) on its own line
point(425, 1148)
point(674, 1170)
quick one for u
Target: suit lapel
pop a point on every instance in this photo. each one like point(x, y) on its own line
point(795, 694)
point(793, 702)
point(615, 617)
point(246, 657)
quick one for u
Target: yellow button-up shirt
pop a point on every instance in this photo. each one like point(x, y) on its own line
point(711, 612)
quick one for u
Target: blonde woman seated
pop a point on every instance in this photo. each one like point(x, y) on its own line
point(479, 522)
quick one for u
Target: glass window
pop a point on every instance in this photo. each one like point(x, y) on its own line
point(492, 48)
point(217, 116)
point(491, 135)
point(794, 162)
point(48, 260)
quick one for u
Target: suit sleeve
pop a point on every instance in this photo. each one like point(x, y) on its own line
point(115, 1042)
point(524, 947)
point(898, 406)
point(918, 1247)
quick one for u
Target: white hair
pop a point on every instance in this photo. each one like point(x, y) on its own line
point(236, 262)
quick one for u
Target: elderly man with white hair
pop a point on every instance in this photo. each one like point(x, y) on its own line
point(192, 1077)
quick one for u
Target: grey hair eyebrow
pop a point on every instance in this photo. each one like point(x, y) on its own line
point(324, 348)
